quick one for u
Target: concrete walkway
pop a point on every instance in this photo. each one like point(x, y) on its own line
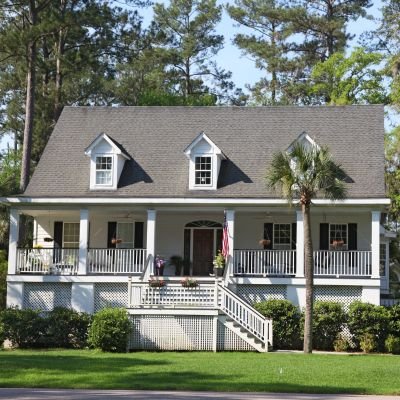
point(64, 394)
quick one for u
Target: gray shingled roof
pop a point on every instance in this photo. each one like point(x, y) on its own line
point(156, 137)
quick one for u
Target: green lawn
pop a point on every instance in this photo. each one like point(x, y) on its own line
point(273, 372)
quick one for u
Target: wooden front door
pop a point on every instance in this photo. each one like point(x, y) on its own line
point(203, 251)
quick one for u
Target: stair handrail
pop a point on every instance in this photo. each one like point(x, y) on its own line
point(252, 320)
point(145, 273)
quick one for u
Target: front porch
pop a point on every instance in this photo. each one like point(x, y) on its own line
point(262, 243)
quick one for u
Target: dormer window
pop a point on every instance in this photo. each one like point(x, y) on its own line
point(203, 171)
point(204, 163)
point(107, 160)
point(104, 170)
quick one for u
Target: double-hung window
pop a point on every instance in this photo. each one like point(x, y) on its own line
point(282, 236)
point(338, 234)
point(71, 235)
point(104, 170)
point(203, 171)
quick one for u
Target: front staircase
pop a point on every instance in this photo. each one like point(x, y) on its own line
point(231, 311)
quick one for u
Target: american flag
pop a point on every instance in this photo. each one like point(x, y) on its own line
point(225, 239)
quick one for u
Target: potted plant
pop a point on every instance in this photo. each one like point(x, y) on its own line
point(156, 283)
point(264, 242)
point(219, 264)
point(177, 262)
point(116, 241)
point(189, 282)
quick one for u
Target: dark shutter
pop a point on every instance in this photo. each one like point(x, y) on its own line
point(269, 235)
point(294, 235)
point(58, 234)
point(352, 245)
point(219, 240)
point(324, 236)
point(139, 227)
point(111, 234)
point(186, 252)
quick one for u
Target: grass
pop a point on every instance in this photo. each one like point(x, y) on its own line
point(273, 372)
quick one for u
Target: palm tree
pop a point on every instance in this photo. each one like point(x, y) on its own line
point(305, 173)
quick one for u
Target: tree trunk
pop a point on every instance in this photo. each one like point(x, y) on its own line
point(29, 116)
point(30, 101)
point(309, 274)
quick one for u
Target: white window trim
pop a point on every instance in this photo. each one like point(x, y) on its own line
point(108, 155)
point(63, 234)
point(274, 244)
point(211, 170)
point(346, 245)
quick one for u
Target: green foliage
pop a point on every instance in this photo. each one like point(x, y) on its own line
point(365, 318)
point(286, 322)
point(341, 343)
point(392, 344)
point(3, 277)
point(368, 342)
point(314, 172)
point(109, 330)
point(66, 328)
point(23, 328)
point(328, 321)
point(354, 79)
point(394, 319)
point(188, 43)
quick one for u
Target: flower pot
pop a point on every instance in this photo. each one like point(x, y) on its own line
point(264, 242)
point(218, 271)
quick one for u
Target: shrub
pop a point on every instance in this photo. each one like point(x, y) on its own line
point(394, 319)
point(341, 343)
point(392, 344)
point(66, 328)
point(368, 342)
point(23, 328)
point(367, 318)
point(109, 330)
point(286, 322)
point(328, 321)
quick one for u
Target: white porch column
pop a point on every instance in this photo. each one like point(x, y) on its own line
point(13, 242)
point(299, 245)
point(230, 220)
point(375, 238)
point(83, 241)
point(151, 241)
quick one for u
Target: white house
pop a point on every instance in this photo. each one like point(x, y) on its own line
point(117, 187)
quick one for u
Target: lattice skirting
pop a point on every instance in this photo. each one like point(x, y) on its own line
point(110, 295)
point(46, 296)
point(181, 332)
point(340, 294)
point(255, 293)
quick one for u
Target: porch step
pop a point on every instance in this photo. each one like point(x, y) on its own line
point(244, 334)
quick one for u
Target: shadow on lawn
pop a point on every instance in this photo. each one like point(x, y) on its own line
point(119, 372)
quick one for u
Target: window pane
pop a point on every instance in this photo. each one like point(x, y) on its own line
point(103, 163)
point(103, 177)
point(71, 234)
point(125, 233)
point(282, 236)
point(203, 171)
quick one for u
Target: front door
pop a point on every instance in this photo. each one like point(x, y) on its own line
point(203, 251)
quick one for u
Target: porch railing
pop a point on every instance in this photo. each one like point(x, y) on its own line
point(55, 261)
point(116, 261)
point(264, 262)
point(174, 295)
point(342, 263)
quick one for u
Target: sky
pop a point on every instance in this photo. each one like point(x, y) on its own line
point(242, 67)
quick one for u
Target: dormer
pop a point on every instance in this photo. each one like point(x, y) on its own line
point(107, 159)
point(304, 140)
point(204, 163)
